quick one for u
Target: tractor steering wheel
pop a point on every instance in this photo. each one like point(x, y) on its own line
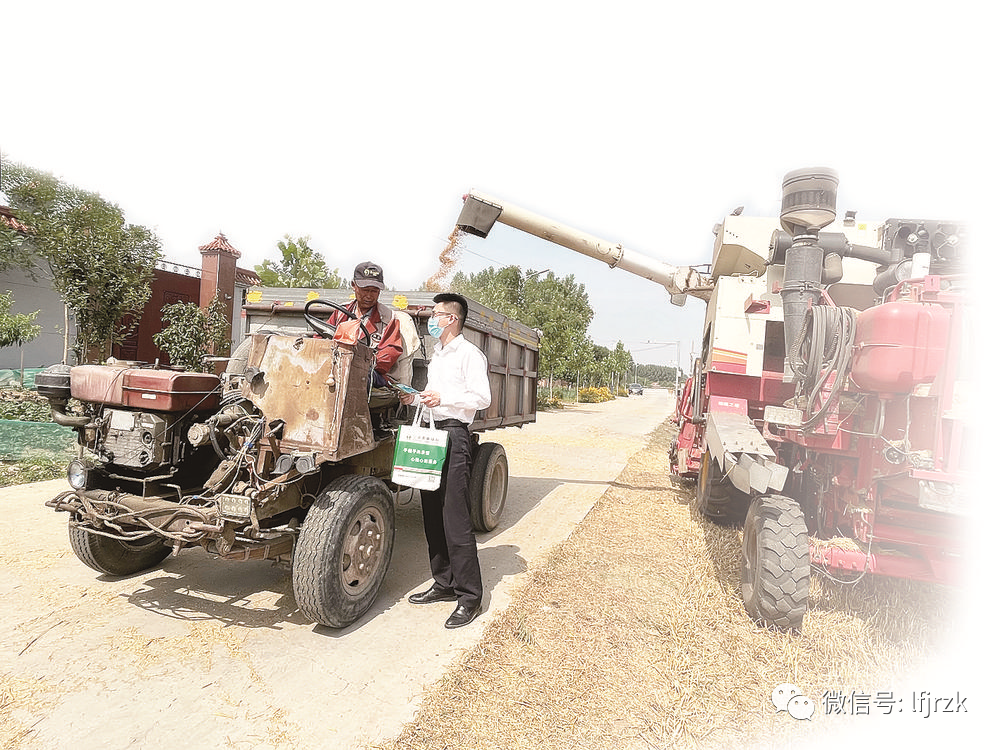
point(324, 328)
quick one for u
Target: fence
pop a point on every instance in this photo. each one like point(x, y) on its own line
point(24, 440)
point(24, 378)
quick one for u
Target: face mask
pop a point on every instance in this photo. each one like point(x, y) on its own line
point(434, 328)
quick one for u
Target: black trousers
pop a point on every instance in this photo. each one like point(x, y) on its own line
point(451, 541)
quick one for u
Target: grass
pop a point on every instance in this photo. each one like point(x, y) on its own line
point(31, 470)
point(27, 406)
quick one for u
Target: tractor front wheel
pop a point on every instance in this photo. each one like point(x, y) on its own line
point(343, 550)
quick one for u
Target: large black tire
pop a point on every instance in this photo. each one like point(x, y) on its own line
point(116, 558)
point(775, 574)
point(488, 486)
point(715, 497)
point(343, 550)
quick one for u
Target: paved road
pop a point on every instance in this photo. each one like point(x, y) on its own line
point(205, 653)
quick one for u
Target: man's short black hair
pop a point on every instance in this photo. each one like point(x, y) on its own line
point(459, 300)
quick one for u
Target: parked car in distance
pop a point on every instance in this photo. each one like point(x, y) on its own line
point(635, 388)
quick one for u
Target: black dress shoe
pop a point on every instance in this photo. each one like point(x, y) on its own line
point(432, 595)
point(463, 615)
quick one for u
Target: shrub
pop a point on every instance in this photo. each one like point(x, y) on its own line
point(595, 395)
point(192, 332)
point(24, 406)
point(545, 402)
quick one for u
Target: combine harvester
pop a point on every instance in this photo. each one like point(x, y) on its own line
point(827, 410)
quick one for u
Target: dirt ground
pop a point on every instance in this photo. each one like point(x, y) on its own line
point(632, 634)
point(629, 634)
point(212, 653)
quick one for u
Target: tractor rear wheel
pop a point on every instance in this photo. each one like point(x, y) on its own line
point(775, 571)
point(343, 550)
point(488, 486)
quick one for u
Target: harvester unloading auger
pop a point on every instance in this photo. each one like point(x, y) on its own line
point(827, 409)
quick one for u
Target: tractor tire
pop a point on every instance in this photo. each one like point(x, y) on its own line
point(775, 571)
point(488, 486)
point(115, 557)
point(343, 550)
point(715, 497)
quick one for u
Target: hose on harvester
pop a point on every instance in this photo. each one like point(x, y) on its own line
point(822, 351)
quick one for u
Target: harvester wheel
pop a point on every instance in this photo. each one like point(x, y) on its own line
point(115, 557)
point(488, 486)
point(775, 574)
point(715, 497)
point(343, 550)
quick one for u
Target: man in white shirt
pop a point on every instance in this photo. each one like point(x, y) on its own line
point(457, 387)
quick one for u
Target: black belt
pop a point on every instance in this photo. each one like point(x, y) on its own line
point(450, 423)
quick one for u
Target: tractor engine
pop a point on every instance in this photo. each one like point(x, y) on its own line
point(135, 419)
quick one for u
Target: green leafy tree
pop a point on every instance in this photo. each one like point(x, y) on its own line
point(300, 267)
point(619, 365)
point(100, 265)
point(663, 374)
point(15, 250)
point(16, 329)
point(558, 307)
point(502, 289)
point(192, 333)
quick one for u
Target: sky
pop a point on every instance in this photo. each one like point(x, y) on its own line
point(362, 127)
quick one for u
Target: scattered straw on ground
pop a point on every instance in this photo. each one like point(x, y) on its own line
point(632, 634)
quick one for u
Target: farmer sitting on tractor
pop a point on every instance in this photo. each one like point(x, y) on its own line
point(392, 334)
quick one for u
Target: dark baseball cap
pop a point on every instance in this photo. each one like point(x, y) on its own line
point(369, 274)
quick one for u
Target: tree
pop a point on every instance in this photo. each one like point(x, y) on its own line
point(16, 329)
point(100, 265)
point(660, 374)
point(300, 266)
point(558, 307)
point(193, 332)
point(619, 365)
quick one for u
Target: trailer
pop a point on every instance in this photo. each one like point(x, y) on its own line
point(511, 348)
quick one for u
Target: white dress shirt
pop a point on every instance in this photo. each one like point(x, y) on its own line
point(459, 372)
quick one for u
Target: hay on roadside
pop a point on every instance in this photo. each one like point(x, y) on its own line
point(632, 633)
